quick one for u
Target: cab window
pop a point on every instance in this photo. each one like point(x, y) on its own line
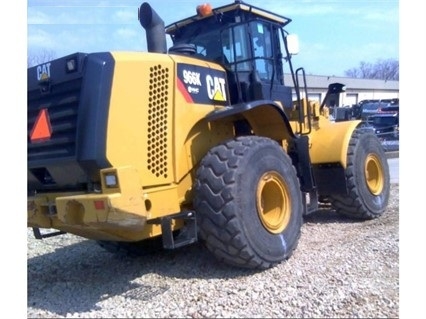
point(262, 49)
point(236, 49)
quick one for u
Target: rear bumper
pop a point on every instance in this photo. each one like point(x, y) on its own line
point(116, 213)
point(96, 216)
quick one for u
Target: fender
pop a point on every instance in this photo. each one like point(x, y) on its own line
point(266, 118)
point(329, 143)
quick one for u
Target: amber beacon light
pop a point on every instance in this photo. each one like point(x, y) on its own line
point(204, 9)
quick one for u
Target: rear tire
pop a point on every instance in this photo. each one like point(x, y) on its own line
point(367, 179)
point(132, 249)
point(248, 203)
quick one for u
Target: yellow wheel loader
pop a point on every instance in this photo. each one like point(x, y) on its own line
point(202, 141)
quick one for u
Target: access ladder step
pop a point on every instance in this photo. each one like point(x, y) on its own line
point(187, 235)
point(39, 235)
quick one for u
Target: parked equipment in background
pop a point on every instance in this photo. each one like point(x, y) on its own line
point(385, 125)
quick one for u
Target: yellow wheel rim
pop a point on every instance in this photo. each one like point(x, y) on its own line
point(273, 202)
point(374, 174)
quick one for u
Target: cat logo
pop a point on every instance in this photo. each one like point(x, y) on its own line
point(216, 88)
point(43, 72)
point(203, 85)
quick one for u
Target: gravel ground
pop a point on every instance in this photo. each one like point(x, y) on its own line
point(340, 269)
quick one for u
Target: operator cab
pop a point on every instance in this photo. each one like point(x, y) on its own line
point(247, 41)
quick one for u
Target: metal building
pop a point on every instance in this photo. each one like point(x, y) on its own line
point(356, 89)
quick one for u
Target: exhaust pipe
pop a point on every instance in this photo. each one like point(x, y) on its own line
point(155, 29)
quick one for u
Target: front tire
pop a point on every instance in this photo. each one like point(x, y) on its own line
point(367, 179)
point(248, 202)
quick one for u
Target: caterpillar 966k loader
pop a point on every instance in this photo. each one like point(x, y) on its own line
point(201, 141)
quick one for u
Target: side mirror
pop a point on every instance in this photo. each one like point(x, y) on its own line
point(292, 44)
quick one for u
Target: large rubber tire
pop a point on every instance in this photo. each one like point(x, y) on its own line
point(367, 178)
point(132, 249)
point(248, 203)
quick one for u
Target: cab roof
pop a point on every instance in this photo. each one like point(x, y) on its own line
point(235, 7)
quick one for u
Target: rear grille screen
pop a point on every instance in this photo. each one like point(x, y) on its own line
point(158, 121)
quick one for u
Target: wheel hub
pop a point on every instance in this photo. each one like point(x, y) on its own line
point(273, 202)
point(374, 174)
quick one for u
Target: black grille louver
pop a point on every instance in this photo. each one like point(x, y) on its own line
point(62, 105)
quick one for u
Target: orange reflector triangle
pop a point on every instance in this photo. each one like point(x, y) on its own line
point(42, 130)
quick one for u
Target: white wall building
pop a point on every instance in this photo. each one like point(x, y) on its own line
point(356, 89)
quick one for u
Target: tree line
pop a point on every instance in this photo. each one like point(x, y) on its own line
point(36, 58)
point(387, 70)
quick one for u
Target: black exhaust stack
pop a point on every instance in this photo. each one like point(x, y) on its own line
point(155, 30)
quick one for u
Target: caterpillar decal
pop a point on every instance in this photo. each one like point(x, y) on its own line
point(43, 72)
point(202, 84)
